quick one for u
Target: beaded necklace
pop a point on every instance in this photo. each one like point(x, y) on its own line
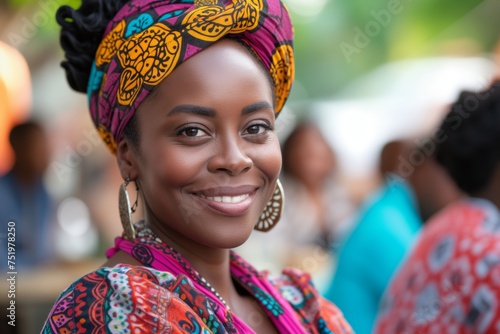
point(202, 280)
point(146, 232)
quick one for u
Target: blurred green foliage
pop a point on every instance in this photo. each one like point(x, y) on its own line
point(419, 28)
point(330, 48)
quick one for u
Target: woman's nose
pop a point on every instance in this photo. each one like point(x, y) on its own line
point(230, 156)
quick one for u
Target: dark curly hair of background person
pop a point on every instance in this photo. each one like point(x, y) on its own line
point(471, 132)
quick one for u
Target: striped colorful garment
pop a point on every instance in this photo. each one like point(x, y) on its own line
point(166, 295)
point(451, 281)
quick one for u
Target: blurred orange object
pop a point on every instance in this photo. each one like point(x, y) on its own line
point(15, 98)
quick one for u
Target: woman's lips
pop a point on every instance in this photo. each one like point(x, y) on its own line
point(228, 201)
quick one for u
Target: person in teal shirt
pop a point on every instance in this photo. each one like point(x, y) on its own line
point(370, 255)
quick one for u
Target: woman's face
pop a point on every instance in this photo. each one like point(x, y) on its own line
point(208, 157)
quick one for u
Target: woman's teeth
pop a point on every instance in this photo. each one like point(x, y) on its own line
point(226, 199)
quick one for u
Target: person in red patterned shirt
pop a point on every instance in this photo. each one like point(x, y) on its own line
point(450, 283)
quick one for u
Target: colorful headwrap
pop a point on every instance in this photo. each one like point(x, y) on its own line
point(148, 39)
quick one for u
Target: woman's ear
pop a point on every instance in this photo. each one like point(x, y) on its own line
point(126, 156)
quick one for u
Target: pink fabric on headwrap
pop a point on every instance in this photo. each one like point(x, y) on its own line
point(147, 40)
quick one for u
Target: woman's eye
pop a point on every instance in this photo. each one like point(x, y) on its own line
point(257, 129)
point(192, 132)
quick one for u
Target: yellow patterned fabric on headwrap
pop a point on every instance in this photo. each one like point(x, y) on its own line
point(147, 40)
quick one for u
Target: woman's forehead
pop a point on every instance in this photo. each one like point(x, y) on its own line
point(223, 69)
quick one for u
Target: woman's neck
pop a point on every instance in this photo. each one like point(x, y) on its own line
point(212, 264)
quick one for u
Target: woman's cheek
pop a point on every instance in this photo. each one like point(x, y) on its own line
point(180, 164)
point(269, 159)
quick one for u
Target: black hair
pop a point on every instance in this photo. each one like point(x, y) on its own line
point(470, 136)
point(82, 30)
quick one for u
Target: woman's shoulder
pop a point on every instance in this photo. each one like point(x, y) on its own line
point(118, 277)
point(118, 298)
point(297, 288)
point(291, 277)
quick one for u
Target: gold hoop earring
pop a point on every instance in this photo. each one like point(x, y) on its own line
point(126, 210)
point(274, 208)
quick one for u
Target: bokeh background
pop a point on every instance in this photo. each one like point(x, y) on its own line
point(367, 72)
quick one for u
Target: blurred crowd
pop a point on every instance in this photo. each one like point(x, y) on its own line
point(401, 233)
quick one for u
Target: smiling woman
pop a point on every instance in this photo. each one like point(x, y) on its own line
point(207, 139)
point(185, 94)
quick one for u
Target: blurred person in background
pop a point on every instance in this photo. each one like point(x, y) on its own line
point(450, 283)
point(24, 199)
point(385, 229)
point(318, 205)
point(15, 97)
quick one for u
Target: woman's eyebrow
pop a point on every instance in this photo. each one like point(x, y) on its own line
point(256, 107)
point(209, 112)
point(192, 109)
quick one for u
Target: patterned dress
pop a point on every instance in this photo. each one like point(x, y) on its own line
point(145, 299)
point(451, 281)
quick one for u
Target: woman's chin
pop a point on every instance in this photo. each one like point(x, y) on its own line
point(229, 239)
